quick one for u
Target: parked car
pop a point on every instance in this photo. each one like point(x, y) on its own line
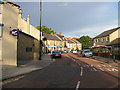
point(65, 51)
point(56, 54)
point(61, 51)
point(74, 51)
point(87, 53)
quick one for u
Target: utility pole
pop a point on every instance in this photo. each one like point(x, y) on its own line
point(40, 52)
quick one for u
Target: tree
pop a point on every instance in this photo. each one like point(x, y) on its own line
point(45, 29)
point(85, 41)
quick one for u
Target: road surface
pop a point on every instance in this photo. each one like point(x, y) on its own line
point(65, 72)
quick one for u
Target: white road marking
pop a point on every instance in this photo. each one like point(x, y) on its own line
point(104, 65)
point(95, 69)
point(108, 69)
point(110, 66)
point(91, 65)
point(113, 69)
point(78, 84)
point(81, 71)
point(98, 65)
point(101, 69)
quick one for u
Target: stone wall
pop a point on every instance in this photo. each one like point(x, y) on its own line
point(9, 42)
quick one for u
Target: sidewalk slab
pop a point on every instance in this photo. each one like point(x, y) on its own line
point(29, 67)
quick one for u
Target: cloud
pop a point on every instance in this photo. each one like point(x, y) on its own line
point(63, 4)
point(91, 31)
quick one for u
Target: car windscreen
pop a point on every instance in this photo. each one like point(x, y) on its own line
point(56, 51)
point(86, 51)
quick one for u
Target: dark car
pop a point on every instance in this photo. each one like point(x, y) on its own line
point(65, 51)
point(56, 54)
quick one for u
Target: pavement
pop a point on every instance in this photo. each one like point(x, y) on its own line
point(24, 67)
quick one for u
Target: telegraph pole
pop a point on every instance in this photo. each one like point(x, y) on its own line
point(40, 52)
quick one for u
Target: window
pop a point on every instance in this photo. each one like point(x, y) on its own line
point(102, 39)
point(48, 42)
point(107, 39)
point(28, 49)
point(57, 43)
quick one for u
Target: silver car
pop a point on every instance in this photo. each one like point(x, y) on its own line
point(87, 53)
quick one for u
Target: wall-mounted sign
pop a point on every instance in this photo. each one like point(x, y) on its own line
point(1, 30)
point(14, 32)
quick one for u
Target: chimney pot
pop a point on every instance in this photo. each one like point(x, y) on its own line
point(60, 33)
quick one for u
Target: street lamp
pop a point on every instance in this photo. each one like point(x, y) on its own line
point(40, 33)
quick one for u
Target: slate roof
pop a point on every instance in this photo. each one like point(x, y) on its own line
point(107, 33)
point(51, 37)
point(69, 41)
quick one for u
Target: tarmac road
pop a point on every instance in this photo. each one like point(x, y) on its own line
point(65, 72)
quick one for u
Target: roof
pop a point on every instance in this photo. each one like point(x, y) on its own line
point(13, 3)
point(27, 34)
point(61, 36)
point(51, 37)
point(107, 33)
point(115, 42)
point(69, 41)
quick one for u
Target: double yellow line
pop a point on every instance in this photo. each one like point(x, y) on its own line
point(10, 80)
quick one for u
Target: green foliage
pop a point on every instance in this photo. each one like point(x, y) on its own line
point(44, 39)
point(85, 41)
point(45, 29)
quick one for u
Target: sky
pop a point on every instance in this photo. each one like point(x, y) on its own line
point(73, 19)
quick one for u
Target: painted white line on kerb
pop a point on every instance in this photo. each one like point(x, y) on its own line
point(78, 85)
point(81, 71)
point(95, 69)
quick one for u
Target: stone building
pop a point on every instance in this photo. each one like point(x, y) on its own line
point(52, 43)
point(28, 47)
point(14, 47)
point(8, 47)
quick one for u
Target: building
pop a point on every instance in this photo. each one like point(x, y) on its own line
point(78, 45)
point(106, 37)
point(8, 42)
point(29, 39)
point(52, 42)
point(108, 42)
point(19, 40)
point(28, 47)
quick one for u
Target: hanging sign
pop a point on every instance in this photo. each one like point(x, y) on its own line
point(14, 32)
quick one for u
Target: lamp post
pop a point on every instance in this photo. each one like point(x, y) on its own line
point(40, 52)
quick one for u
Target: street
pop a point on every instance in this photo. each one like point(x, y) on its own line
point(65, 72)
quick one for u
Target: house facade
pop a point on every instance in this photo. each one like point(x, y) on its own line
point(27, 47)
point(106, 37)
point(52, 43)
point(19, 40)
point(107, 42)
point(8, 41)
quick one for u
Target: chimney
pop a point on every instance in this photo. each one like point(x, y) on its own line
point(69, 38)
point(52, 34)
point(74, 38)
point(20, 13)
point(28, 19)
point(55, 34)
point(60, 33)
point(24, 19)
